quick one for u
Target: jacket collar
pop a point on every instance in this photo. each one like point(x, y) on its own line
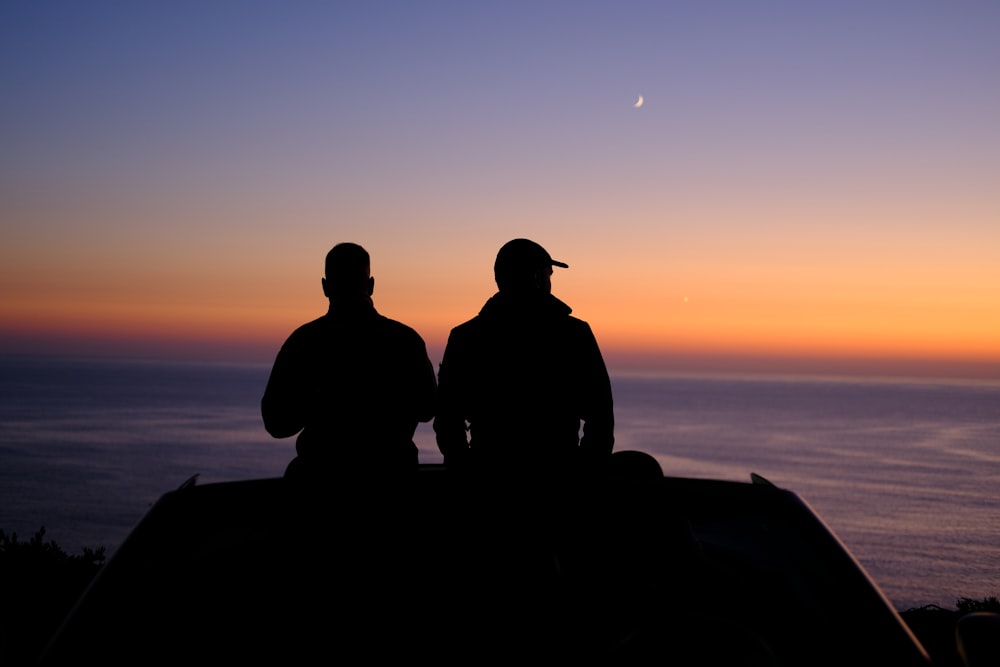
point(532, 304)
point(353, 307)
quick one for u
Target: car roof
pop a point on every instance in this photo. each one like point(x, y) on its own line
point(465, 567)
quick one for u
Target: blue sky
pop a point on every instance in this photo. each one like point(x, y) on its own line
point(821, 177)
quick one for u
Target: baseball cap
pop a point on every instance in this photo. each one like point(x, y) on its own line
point(521, 257)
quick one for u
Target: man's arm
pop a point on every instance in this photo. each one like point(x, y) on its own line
point(599, 415)
point(449, 422)
point(282, 403)
point(425, 383)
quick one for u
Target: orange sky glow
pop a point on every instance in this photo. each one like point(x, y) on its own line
point(778, 203)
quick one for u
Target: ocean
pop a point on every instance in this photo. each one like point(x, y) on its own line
point(905, 472)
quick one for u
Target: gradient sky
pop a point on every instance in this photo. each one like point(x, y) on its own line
point(808, 186)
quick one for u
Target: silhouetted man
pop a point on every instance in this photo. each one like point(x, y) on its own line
point(517, 380)
point(353, 384)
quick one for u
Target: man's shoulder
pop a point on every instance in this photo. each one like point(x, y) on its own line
point(322, 326)
point(469, 324)
point(576, 322)
point(471, 327)
point(481, 322)
point(396, 325)
point(397, 328)
point(308, 328)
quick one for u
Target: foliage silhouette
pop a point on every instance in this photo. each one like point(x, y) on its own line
point(969, 605)
point(39, 582)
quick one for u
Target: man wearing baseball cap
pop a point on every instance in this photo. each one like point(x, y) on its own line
point(523, 385)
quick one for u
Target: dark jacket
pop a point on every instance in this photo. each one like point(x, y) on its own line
point(353, 384)
point(523, 375)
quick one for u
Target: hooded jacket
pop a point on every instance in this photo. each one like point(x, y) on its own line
point(518, 381)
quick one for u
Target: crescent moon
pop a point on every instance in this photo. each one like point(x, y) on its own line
point(638, 102)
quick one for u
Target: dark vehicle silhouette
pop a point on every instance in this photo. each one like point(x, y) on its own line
point(626, 568)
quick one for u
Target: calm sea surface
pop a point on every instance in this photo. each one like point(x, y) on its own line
point(906, 473)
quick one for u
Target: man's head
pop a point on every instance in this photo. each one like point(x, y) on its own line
point(523, 266)
point(348, 272)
